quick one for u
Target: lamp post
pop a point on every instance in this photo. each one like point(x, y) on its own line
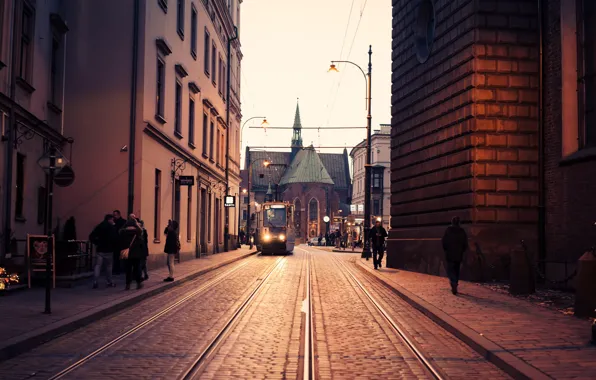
point(266, 163)
point(264, 124)
point(367, 183)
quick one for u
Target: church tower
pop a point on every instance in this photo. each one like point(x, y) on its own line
point(297, 135)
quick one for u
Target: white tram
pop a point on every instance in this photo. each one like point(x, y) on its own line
point(275, 225)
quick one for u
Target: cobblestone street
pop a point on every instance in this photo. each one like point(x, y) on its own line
point(312, 315)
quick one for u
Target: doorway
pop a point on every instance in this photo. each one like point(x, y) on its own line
point(203, 211)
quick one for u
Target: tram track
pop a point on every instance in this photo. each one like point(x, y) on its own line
point(426, 363)
point(203, 288)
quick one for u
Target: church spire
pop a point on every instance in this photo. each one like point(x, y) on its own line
point(297, 135)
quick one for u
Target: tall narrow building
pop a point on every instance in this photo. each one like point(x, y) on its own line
point(297, 135)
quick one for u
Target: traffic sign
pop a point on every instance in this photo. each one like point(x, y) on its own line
point(64, 177)
point(186, 180)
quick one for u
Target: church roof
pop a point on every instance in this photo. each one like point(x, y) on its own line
point(336, 164)
point(306, 167)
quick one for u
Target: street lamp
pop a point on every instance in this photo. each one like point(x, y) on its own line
point(367, 182)
point(264, 125)
point(266, 164)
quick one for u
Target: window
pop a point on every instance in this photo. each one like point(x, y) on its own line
point(207, 43)
point(224, 81)
point(178, 119)
point(313, 218)
point(211, 137)
point(27, 31)
point(205, 133)
point(41, 205)
point(221, 75)
point(193, 31)
point(223, 148)
point(191, 122)
point(54, 71)
point(209, 223)
point(245, 200)
point(213, 60)
point(157, 206)
point(163, 4)
point(376, 207)
point(377, 180)
point(243, 214)
point(587, 72)
point(159, 108)
point(180, 18)
point(20, 195)
point(217, 150)
point(177, 199)
point(188, 215)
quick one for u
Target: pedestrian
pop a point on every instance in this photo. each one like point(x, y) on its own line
point(455, 243)
point(377, 236)
point(350, 241)
point(241, 237)
point(144, 274)
point(105, 237)
point(172, 247)
point(131, 240)
point(119, 222)
point(320, 239)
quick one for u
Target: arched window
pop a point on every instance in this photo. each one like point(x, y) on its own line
point(313, 218)
point(297, 216)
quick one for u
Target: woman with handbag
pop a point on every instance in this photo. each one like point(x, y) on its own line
point(172, 247)
point(131, 236)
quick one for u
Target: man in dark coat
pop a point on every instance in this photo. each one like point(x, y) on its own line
point(119, 223)
point(378, 234)
point(131, 236)
point(172, 247)
point(455, 243)
point(105, 238)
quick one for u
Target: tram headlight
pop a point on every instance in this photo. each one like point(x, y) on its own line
point(282, 237)
point(267, 237)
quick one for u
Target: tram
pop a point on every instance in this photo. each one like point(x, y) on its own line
point(276, 234)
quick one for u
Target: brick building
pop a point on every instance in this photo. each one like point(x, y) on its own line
point(318, 184)
point(476, 133)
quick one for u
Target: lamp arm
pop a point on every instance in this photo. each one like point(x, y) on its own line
point(363, 74)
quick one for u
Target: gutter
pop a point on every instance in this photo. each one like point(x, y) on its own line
point(133, 109)
point(541, 147)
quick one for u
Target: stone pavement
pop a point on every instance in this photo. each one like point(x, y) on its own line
point(25, 326)
point(523, 339)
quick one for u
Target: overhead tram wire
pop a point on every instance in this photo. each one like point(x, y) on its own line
point(349, 54)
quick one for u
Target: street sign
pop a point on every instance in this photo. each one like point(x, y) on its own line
point(64, 177)
point(230, 201)
point(186, 180)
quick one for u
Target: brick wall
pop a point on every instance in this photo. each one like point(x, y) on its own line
point(464, 133)
point(570, 186)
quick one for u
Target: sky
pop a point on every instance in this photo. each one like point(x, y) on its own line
point(287, 47)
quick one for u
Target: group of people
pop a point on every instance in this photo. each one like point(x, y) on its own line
point(123, 244)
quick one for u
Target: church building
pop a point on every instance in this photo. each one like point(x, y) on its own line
point(318, 184)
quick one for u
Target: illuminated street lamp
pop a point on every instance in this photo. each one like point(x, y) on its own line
point(367, 176)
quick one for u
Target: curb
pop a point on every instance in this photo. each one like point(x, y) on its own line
point(497, 355)
point(26, 342)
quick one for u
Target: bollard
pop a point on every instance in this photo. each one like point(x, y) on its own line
point(521, 275)
point(585, 290)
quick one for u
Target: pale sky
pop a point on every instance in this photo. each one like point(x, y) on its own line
point(288, 46)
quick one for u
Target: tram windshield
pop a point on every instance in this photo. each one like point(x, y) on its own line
point(275, 216)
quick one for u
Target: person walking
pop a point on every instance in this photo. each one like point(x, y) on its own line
point(105, 237)
point(144, 274)
point(172, 247)
point(455, 243)
point(119, 223)
point(378, 234)
point(131, 239)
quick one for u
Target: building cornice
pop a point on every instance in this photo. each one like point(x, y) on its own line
point(163, 47)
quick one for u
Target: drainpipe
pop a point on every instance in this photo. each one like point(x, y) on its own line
point(541, 169)
point(11, 135)
point(133, 109)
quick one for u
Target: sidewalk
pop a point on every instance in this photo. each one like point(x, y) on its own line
point(525, 340)
point(24, 326)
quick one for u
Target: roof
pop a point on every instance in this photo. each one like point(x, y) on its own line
point(307, 167)
point(336, 165)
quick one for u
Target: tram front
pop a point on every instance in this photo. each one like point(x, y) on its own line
point(275, 234)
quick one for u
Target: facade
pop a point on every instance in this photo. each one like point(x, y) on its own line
point(318, 184)
point(465, 131)
point(32, 74)
point(147, 92)
point(380, 177)
point(494, 127)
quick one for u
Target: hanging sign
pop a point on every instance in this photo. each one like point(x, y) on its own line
point(186, 180)
point(38, 249)
point(230, 201)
